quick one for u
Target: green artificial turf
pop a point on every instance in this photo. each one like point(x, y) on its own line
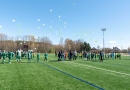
point(109, 74)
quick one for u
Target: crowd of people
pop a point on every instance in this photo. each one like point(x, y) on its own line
point(19, 55)
point(62, 55)
point(73, 55)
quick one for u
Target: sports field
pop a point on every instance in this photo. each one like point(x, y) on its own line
point(66, 75)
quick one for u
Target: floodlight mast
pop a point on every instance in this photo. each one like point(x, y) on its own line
point(103, 29)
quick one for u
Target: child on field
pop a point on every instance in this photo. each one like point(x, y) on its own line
point(29, 56)
point(3, 56)
point(45, 56)
point(38, 56)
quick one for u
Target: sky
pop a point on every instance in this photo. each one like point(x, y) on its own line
point(73, 19)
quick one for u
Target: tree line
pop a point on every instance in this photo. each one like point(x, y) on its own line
point(41, 44)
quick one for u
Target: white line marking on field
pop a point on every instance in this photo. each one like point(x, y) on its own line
point(101, 69)
point(97, 68)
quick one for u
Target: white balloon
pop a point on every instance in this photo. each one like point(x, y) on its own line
point(0, 26)
point(13, 20)
point(50, 10)
point(59, 16)
point(43, 24)
point(38, 19)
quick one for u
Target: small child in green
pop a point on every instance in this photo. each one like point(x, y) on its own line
point(29, 56)
point(38, 56)
point(45, 56)
point(9, 56)
point(4, 56)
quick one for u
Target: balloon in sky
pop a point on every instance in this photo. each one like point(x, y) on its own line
point(43, 24)
point(59, 16)
point(38, 27)
point(19, 33)
point(117, 35)
point(13, 20)
point(51, 21)
point(59, 20)
point(0, 26)
point(50, 10)
point(38, 20)
point(64, 26)
point(50, 26)
point(50, 30)
point(60, 32)
point(95, 41)
point(64, 22)
point(73, 3)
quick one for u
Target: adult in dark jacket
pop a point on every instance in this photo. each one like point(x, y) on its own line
point(101, 56)
point(70, 55)
point(59, 55)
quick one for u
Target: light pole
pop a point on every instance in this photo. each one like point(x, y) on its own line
point(103, 29)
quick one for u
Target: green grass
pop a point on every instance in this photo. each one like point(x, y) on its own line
point(110, 74)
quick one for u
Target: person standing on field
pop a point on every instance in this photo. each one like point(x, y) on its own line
point(55, 54)
point(75, 55)
point(0, 54)
point(3, 56)
point(29, 56)
point(101, 56)
point(70, 55)
point(9, 56)
point(19, 55)
point(38, 56)
point(65, 55)
point(45, 56)
point(113, 55)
